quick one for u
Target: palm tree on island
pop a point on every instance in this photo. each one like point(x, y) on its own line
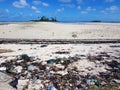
point(45, 19)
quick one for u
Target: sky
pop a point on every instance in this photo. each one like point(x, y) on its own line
point(63, 10)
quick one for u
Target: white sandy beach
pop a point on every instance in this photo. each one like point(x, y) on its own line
point(48, 30)
point(11, 53)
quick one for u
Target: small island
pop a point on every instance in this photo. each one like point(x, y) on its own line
point(45, 19)
point(96, 21)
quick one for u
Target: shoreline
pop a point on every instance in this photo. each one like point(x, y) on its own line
point(58, 41)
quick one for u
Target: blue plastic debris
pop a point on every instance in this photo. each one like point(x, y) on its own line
point(51, 88)
point(14, 83)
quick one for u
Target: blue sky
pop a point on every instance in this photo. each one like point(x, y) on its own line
point(63, 10)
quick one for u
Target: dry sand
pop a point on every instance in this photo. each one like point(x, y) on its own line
point(48, 30)
point(48, 52)
point(45, 30)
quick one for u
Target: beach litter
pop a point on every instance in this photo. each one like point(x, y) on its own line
point(2, 68)
point(24, 57)
point(44, 45)
point(77, 72)
point(51, 61)
point(51, 88)
point(14, 83)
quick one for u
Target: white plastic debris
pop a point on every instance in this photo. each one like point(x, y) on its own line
point(31, 67)
point(2, 68)
point(117, 81)
point(18, 69)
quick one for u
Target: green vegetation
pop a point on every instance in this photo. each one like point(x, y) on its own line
point(45, 19)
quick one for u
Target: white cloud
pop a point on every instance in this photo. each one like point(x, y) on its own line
point(37, 2)
point(79, 7)
point(79, 1)
point(84, 12)
point(90, 9)
point(65, 1)
point(7, 10)
point(20, 4)
point(68, 5)
point(87, 10)
point(109, 0)
point(45, 4)
point(35, 9)
point(40, 3)
point(60, 10)
point(111, 9)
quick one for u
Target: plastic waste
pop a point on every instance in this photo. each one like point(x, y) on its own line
point(24, 57)
point(103, 83)
point(51, 88)
point(58, 60)
point(18, 69)
point(84, 86)
point(117, 81)
point(33, 57)
point(97, 83)
point(3, 68)
point(28, 75)
point(34, 79)
point(90, 81)
point(43, 46)
point(51, 61)
point(76, 88)
point(31, 67)
point(14, 83)
point(12, 69)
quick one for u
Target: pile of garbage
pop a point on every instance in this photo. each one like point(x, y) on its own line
point(63, 73)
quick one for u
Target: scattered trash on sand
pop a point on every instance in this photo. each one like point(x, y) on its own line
point(75, 72)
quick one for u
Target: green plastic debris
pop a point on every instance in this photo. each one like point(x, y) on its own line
point(97, 83)
point(58, 60)
point(24, 57)
point(51, 61)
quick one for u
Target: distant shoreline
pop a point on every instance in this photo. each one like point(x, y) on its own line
point(63, 21)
